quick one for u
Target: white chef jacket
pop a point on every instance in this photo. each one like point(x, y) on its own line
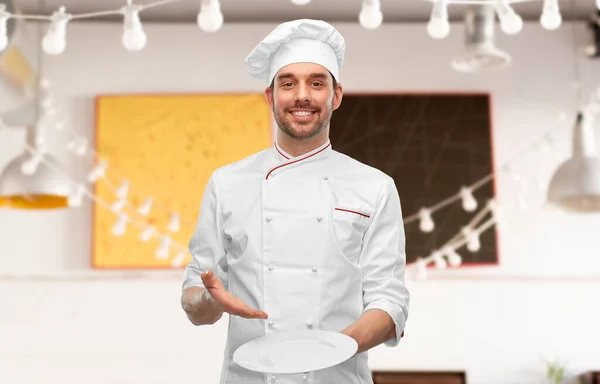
point(314, 241)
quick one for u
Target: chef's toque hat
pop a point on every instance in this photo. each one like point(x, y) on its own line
point(298, 41)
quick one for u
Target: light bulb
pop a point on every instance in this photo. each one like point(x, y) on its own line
point(98, 172)
point(162, 251)
point(123, 189)
point(426, 224)
point(468, 201)
point(120, 227)
point(551, 20)
point(370, 16)
point(147, 233)
point(4, 16)
point(81, 147)
point(30, 166)
point(300, 2)
point(118, 205)
point(134, 38)
point(54, 41)
point(439, 260)
point(174, 223)
point(76, 198)
point(472, 238)
point(510, 22)
point(438, 26)
point(144, 210)
point(454, 258)
point(178, 259)
point(210, 18)
point(438, 29)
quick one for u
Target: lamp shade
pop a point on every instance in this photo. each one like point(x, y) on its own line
point(44, 189)
point(575, 185)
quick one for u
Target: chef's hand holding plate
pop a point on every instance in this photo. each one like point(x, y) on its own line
point(228, 302)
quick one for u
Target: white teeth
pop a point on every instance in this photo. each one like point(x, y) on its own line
point(302, 113)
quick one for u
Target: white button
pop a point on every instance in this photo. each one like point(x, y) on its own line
point(325, 178)
point(314, 269)
point(304, 377)
point(269, 218)
point(271, 267)
point(309, 323)
point(319, 219)
point(271, 322)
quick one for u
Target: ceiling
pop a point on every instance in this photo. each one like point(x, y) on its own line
point(283, 10)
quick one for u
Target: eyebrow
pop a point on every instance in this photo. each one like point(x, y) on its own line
point(315, 75)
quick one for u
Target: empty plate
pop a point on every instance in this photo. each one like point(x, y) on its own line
point(295, 352)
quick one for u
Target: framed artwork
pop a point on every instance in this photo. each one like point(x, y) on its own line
point(431, 145)
point(167, 146)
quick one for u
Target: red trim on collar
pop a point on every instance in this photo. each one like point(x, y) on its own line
point(297, 160)
point(287, 158)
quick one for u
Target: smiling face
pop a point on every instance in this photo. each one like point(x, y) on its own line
point(303, 97)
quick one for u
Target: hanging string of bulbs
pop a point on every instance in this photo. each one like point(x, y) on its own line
point(511, 23)
point(209, 19)
point(78, 145)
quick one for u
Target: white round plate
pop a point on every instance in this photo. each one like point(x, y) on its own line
point(295, 352)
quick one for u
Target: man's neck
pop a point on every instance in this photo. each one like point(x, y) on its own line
point(299, 147)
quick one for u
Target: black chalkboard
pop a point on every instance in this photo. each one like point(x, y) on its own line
point(431, 144)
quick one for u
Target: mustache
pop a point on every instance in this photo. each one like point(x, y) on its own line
point(303, 106)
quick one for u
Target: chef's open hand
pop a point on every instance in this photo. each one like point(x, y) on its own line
point(228, 302)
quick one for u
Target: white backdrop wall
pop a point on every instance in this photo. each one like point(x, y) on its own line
point(496, 323)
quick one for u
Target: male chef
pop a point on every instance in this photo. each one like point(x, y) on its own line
point(299, 236)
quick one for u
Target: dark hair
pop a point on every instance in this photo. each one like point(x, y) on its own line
point(332, 77)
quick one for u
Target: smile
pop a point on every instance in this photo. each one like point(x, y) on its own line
point(302, 115)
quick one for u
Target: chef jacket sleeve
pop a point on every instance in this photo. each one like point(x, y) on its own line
point(206, 245)
point(383, 261)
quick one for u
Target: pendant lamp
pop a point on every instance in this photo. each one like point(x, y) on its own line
point(575, 185)
point(37, 184)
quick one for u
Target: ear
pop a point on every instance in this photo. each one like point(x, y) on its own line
point(337, 96)
point(269, 96)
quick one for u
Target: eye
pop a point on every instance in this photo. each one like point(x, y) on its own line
point(317, 84)
point(286, 84)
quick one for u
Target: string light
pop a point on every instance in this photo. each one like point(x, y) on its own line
point(134, 38)
point(120, 226)
point(511, 23)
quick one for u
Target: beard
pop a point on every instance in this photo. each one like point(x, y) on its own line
point(299, 130)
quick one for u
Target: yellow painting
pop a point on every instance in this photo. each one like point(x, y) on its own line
point(166, 147)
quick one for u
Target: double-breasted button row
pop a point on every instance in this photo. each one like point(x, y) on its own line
point(309, 323)
point(268, 219)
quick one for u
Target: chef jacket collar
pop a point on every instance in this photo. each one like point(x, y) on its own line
point(286, 161)
point(282, 155)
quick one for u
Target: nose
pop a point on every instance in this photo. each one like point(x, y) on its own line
point(302, 92)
